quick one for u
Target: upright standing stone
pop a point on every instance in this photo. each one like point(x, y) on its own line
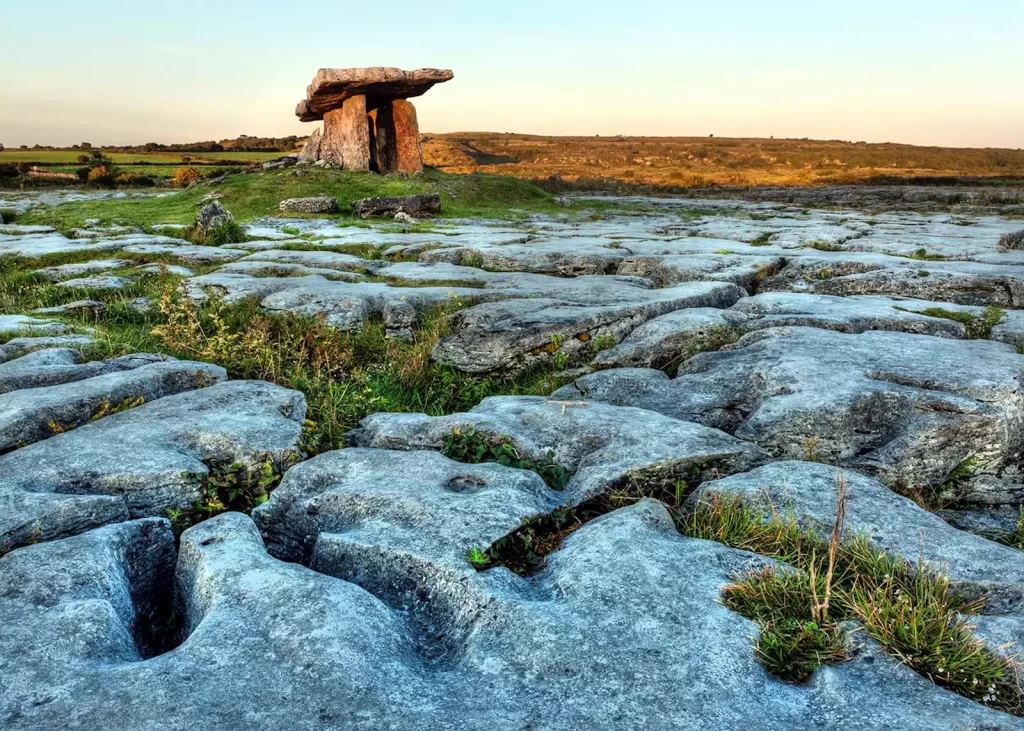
point(311, 151)
point(371, 125)
point(346, 139)
point(398, 138)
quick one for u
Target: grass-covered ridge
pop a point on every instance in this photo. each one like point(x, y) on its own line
point(256, 195)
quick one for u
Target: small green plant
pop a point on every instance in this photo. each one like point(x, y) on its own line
point(233, 486)
point(763, 240)
point(473, 447)
point(921, 273)
point(561, 360)
point(477, 558)
point(924, 255)
point(602, 342)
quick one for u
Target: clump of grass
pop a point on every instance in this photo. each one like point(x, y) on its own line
point(228, 232)
point(977, 328)
point(1013, 240)
point(763, 240)
point(908, 608)
point(924, 255)
point(8, 215)
point(473, 447)
point(344, 376)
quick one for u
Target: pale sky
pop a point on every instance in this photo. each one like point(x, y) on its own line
point(924, 72)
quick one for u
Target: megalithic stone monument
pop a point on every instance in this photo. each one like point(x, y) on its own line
point(369, 122)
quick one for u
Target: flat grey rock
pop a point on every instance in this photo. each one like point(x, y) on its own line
point(188, 252)
point(670, 339)
point(588, 627)
point(144, 460)
point(97, 282)
point(78, 307)
point(854, 314)
point(26, 324)
point(521, 333)
point(600, 444)
point(75, 271)
point(17, 347)
point(179, 271)
point(31, 415)
point(907, 407)
point(55, 366)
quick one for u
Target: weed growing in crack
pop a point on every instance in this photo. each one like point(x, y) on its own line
point(977, 328)
point(473, 447)
point(233, 486)
point(908, 608)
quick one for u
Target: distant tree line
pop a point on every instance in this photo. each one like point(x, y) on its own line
point(242, 143)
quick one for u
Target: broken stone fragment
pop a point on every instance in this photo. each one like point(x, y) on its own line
point(211, 216)
point(417, 206)
point(321, 204)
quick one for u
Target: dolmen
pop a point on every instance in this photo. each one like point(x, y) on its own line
point(369, 122)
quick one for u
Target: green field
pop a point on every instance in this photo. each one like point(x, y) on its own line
point(240, 155)
point(249, 197)
point(71, 156)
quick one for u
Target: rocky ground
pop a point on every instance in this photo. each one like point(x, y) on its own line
point(718, 350)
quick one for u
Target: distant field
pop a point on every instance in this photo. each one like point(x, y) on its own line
point(696, 161)
point(239, 156)
point(57, 157)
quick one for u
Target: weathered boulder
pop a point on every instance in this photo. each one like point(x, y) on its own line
point(910, 408)
point(418, 206)
point(311, 150)
point(211, 216)
point(25, 324)
point(321, 204)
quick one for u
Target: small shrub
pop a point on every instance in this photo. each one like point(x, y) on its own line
point(101, 175)
point(8, 171)
point(185, 176)
point(226, 233)
point(1013, 240)
point(23, 168)
point(7, 215)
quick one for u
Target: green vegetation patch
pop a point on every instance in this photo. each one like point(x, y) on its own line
point(256, 195)
point(978, 328)
point(473, 447)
